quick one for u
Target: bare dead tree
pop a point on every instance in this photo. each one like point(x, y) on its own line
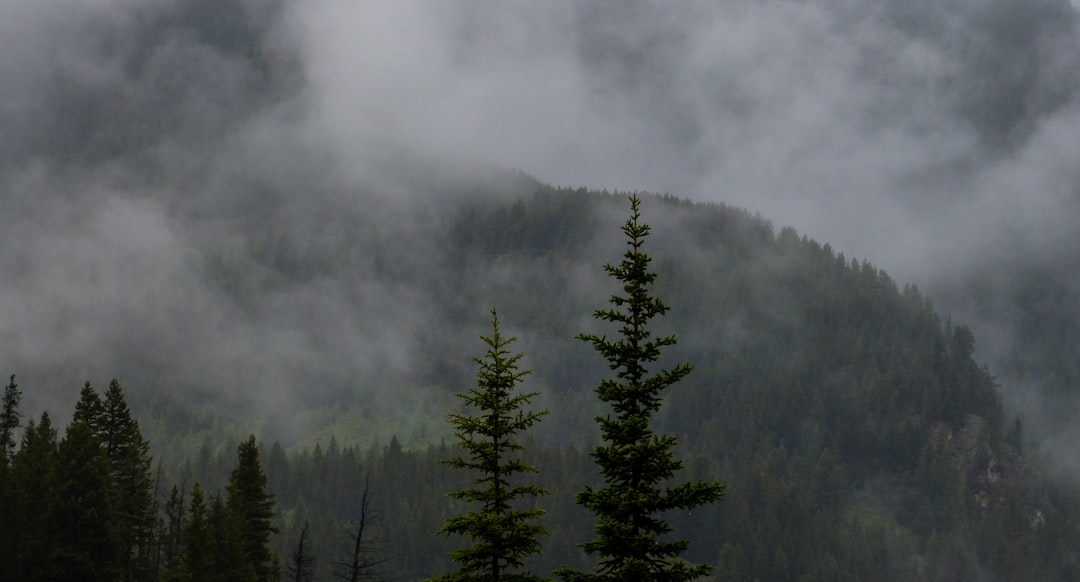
point(301, 566)
point(364, 562)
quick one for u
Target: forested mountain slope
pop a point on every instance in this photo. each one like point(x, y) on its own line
point(858, 437)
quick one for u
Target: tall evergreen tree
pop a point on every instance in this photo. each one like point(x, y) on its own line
point(32, 477)
point(130, 468)
point(232, 562)
point(252, 507)
point(198, 543)
point(90, 409)
point(9, 424)
point(190, 556)
point(80, 510)
point(504, 533)
point(9, 421)
point(636, 462)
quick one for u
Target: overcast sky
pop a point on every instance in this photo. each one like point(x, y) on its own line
point(912, 133)
point(898, 130)
point(929, 136)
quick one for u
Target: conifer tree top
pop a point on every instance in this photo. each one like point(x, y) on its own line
point(636, 463)
point(503, 535)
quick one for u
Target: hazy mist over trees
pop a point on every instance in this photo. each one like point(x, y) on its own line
point(274, 205)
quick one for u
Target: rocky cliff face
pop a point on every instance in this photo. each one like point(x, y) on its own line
point(995, 474)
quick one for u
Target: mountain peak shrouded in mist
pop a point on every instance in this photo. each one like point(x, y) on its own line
point(933, 125)
point(161, 160)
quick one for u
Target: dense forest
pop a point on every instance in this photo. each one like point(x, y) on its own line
point(857, 436)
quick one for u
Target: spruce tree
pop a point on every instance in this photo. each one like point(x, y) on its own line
point(231, 550)
point(33, 472)
point(503, 531)
point(80, 509)
point(132, 500)
point(130, 468)
point(90, 409)
point(637, 463)
point(9, 421)
point(198, 544)
point(252, 508)
point(9, 425)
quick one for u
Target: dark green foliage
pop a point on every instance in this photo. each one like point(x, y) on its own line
point(198, 540)
point(32, 477)
point(637, 464)
point(197, 559)
point(232, 548)
point(251, 507)
point(80, 511)
point(9, 424)
point(90, 409)
point(504, 533)
point(170, 529)
point(9, 421)
point(212, 547)
point(131, 512)
point(134, 509)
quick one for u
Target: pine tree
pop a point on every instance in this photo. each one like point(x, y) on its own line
point(636, 462)
point(252, 507)
point(503, 532)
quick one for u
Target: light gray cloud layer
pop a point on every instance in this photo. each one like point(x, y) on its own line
point(896, 130)
point(928, 136)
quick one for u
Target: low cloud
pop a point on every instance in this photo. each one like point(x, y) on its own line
point(145, 143)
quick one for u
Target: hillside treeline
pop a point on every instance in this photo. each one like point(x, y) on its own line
point(857, 436)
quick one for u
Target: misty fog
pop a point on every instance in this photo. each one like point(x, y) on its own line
point(144, 143)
